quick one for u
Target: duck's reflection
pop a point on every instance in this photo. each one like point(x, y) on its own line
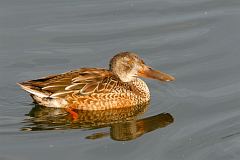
point(124, 123)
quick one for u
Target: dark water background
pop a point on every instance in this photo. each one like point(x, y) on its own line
point(197, 41)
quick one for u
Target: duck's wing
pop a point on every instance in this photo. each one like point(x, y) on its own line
point(83, 81)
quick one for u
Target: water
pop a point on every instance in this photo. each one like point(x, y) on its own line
point(196, 41)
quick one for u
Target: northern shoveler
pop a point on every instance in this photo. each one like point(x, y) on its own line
point(96, 88)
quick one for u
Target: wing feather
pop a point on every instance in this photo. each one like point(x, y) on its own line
point(75, 86)
point(54, 88)
point(89, 88)
point(82, 81)
point(61, 94)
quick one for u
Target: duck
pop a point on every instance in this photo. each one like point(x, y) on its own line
point(92, 89)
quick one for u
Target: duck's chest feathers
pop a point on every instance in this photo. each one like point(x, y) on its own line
point(138, 90)
point(140, 87)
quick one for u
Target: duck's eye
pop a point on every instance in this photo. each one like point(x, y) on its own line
point(142, 61)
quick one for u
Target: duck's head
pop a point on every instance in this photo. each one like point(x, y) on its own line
point(127, 66)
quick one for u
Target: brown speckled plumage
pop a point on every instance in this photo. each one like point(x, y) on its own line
point(95, 88)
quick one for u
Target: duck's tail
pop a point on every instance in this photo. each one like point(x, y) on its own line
point(34, 89)
point(42, 97)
